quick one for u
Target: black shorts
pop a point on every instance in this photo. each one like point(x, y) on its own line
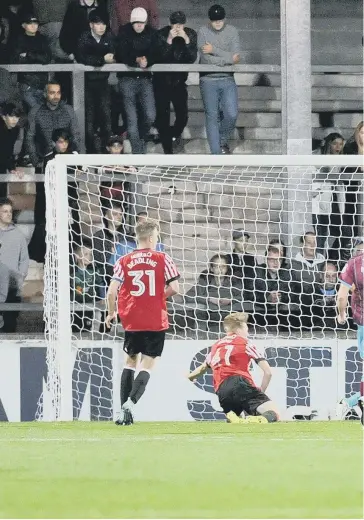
point(238, 395)
point(150, 343)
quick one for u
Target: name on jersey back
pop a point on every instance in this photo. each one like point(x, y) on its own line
point(141, 258)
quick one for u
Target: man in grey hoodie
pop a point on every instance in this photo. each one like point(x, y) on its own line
point(14, 263)
point(218, 44)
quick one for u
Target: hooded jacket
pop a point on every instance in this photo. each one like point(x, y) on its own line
point(14, 258)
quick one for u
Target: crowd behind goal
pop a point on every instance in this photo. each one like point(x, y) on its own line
point(282, 294)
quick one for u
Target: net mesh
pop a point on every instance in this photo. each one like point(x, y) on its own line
point(237, 235)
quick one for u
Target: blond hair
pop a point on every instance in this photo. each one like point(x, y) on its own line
point(144, 230)
point(235, 320)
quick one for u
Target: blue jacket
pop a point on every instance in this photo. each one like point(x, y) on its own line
point(125, 247)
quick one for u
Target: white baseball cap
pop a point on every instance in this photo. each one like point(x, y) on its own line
point(139, 14)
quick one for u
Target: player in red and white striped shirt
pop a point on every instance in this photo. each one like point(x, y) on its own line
point(229, 360)
point(141, 283)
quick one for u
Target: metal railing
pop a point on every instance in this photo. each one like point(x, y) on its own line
point(78, 77)
point(78, 89)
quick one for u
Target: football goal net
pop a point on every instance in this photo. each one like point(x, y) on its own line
point(267, 235)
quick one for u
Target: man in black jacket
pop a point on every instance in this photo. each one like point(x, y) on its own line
point(96, 48)
point(9, 134)
point(138, 45)
point(171, 88)
point(53, 114)
point(31, 47)
point(271, 291)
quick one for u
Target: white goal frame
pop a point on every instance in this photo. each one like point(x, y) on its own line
point(60, 206)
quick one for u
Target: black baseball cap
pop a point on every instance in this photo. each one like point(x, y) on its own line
point(177, 17)
point(114, 139)
point(98, 16)
point(217, 12)
point(29, 18)
point(238, 234)
point(10, 109)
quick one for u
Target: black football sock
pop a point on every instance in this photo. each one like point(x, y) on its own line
point(270, 416)
point(139, 385)
point(126, 384)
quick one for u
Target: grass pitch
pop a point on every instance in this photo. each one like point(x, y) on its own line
point(181, 470)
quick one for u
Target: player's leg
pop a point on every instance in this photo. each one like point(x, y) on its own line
point(126, 383)
point(257, 403)
point(151, 347)
point(345, 404)
point(131, 349)
point(269, 411)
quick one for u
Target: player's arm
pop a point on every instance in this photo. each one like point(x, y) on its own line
point(111, 301)
point(172, 288)
point(342, 302)
point(267, 374)
point(171, 276)
point(198, 371)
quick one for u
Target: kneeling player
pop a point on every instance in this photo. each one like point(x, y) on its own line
point(229, 360)
point(141, 283)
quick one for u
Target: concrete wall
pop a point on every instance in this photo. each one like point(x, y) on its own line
point(336, 28)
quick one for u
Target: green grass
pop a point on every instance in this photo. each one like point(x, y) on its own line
point(181, 470)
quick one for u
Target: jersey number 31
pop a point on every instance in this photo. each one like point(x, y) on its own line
point(140, 285)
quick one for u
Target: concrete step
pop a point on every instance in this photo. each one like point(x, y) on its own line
point(318, 80)
point(274, 93)
point(275, 105)
point(348, 120)
point(35, 271)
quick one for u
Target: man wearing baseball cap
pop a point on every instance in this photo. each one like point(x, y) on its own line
point(122, 11)
point(138, 46)
point(96, 47)
point(180, 47)
point(219, 44)
point(31, 47)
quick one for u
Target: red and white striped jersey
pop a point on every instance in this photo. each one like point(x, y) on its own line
point(144, 274)
point(231, 356)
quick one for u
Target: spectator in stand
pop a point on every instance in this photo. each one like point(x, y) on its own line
point(96, 48)
point(271, 291)
point(354, 146)
point(31, 47)
point(138, 45)
point(241, 262)
point(104, 243)
point(128, 243)
point(52, 114)
point(181, 47)
point(9, 134)
point(306, 269)
point(328, 196)
point(12, 15)
point(121, 11)
point(117, 191)
point(105, 240)
point(333, 144)
point(76, 22)
point(14, 263)
point(278, 244)
point(309, 256)
point(215, 295)
point(219, 44)
point(50, 15)
point(324, 298)
point(37, 246)
point(4, 35)
point(86, 287)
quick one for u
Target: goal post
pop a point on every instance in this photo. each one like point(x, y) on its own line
point(199, 200)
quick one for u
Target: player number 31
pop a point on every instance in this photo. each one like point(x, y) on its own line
point(138, 282)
